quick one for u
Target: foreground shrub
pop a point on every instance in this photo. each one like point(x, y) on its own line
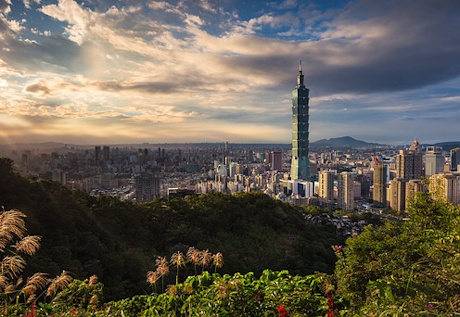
point(238, 295)
point(405, 269)
point(18, 294)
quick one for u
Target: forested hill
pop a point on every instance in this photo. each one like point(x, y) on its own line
point(119, 241)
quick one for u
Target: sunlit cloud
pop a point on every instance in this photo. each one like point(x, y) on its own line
point(5, 6)
point(27, 2)
point(206, 70)
point(7, 121)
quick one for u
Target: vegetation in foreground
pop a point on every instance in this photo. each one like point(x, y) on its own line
point(397, 269)
point(402, 269)
point(119, 241)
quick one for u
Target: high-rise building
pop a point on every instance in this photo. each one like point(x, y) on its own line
point(345, 191)
point(147, 187)
point(142, 156)
point(276, 162)
point(106, 152)
point(409, 162)
point(454, 159)
point(59, 176)
point(434, 160)
point(326, 186)
point(379, 193)
point(97, 154)
point(446, 186)
point(397, 194)
point(300, 163)
point(413, 186)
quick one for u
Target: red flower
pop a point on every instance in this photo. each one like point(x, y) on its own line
point(33, 311)
point(330, 302)
point(331, 312)
point(282, 311)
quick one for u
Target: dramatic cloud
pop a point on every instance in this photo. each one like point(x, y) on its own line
point(223, 70)
point(398, 45)
point(5, 6)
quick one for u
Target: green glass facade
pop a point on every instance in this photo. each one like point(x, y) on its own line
point(300, 163)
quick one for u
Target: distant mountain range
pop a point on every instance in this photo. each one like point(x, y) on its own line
point(447, 146)
point(343, 143)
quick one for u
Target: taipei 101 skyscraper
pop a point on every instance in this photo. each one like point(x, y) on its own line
point(300, 164)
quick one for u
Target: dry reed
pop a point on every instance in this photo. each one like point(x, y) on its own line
point(11, 224)
point(59, 283)
point(162, 266)
point(93, 280)
point(28, 245)
point(205, 258)
point(193, 256)
point(152, 277)
point(94, 300)
point(12, 265)
point(178, 259)
point(38, 281)
point(218, 260)
point(3, 282)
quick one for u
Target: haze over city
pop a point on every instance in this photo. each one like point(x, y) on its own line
point(209, 71)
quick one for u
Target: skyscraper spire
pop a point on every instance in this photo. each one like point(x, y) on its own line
point(300, 76)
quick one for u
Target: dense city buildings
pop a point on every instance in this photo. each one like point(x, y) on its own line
point(409, 173)
point(347, 178)
point(300, 163)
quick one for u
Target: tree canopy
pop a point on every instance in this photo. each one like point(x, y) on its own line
point(120, 240)
point(406, 268)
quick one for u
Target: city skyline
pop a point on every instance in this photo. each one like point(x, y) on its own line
point(108, 72)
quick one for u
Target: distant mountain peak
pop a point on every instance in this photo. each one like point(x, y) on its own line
point(342, 142)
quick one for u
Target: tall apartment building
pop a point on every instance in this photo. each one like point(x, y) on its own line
point(413, 186)
point(276, 161)
point(300, 162)
point(397, 194)
point(345, 191)
point(59, 176)
point(326, 186)
point(434, 160)
point(97, 154)
point(106, 153)
point(147, 187)
point(454, 159)
point(446, 186)
point(379, 194)
point(409, 162)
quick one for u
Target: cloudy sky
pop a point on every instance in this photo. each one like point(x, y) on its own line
point(129, 71)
